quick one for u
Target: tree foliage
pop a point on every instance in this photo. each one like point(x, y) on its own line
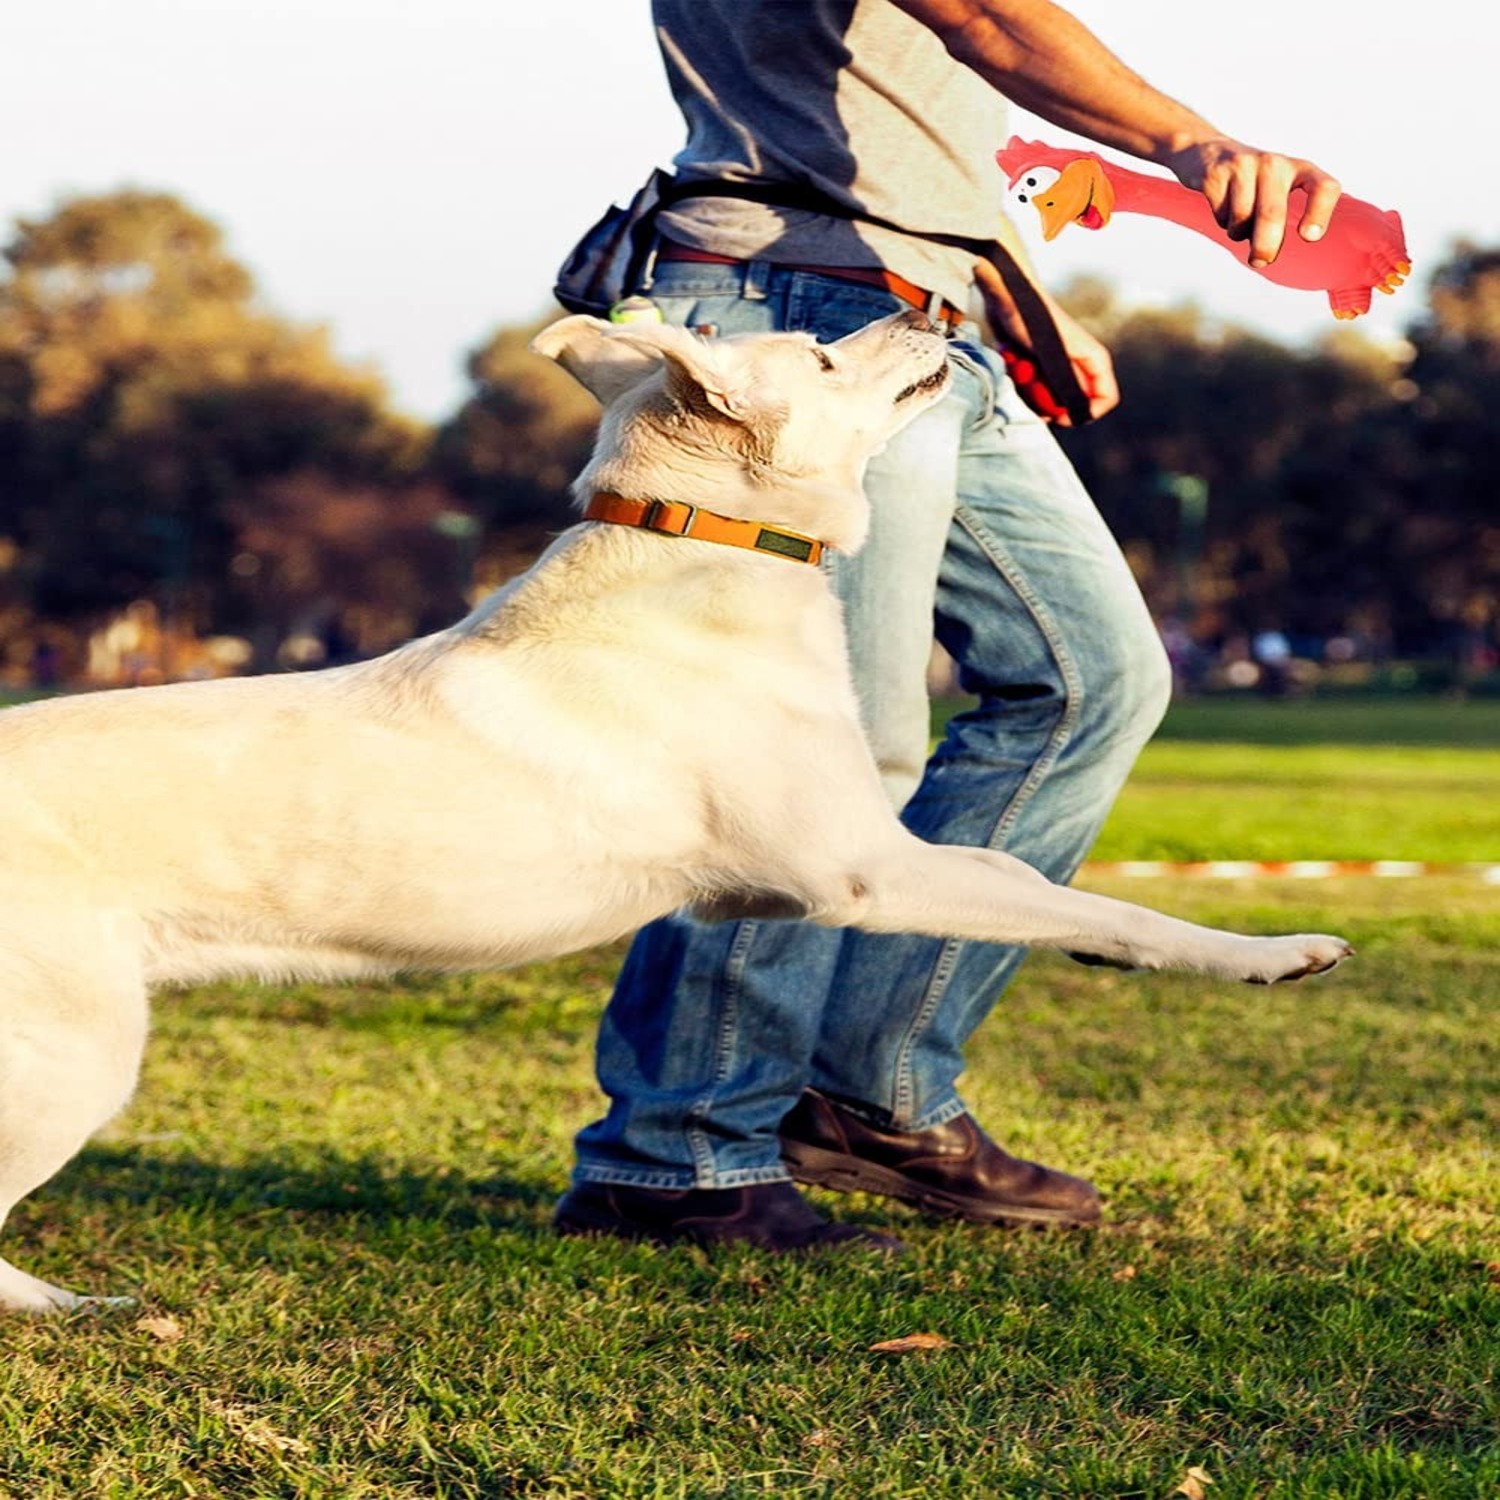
point(513, 448)
point(166, 440)
point(1350, 486)
point(144, 394)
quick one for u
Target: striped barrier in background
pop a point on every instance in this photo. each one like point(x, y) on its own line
point(1294, 869)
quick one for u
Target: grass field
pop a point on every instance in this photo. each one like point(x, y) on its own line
point(333, 1206)
point(1406, 779)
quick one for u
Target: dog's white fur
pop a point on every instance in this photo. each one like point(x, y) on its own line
point(637, 724)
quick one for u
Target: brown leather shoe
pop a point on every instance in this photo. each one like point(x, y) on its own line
point(953, 1169)
point(773, 1216)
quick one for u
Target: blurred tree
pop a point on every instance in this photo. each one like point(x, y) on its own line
point(515, 445)
point(1411, 550)
point(1464, 307)
point(1440, 456)
point(327, 569)
point(142, 390)
point(1229, 410)
point(162, 437)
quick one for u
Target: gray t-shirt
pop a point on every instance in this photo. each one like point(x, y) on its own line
point(852, 97)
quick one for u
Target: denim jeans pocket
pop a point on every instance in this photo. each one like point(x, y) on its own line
point(682, 310)
point(710, 299)
point(832, 308)
point(980, 366)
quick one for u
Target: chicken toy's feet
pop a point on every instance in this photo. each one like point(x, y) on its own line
point(1395, 278)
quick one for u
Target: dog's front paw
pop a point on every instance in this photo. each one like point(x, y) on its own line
point(1275, 959)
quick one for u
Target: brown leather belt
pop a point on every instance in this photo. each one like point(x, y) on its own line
point(930, 303)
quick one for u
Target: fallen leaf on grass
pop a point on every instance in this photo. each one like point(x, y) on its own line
point(911, 1343)
point(260, 1435)
point(1194, 1484)
point(1125, 1273)
point(163, 1330)
point(258, 1432)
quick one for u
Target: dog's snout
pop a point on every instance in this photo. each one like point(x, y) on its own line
point(915, 319)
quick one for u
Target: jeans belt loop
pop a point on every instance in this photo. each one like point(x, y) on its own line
point(647, 279)
point(757, 282)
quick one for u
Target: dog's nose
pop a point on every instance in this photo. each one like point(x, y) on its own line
point(915, 318)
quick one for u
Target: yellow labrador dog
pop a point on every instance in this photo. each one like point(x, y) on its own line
point(659, 714)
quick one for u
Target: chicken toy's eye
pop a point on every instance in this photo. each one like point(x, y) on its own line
point(1030, 183)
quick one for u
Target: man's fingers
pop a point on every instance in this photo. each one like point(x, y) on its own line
point(1254, 204)
point(1279, 176)
point(1216, 185)
point(1323, 193)
point(1249, 193)
point(1268, 230)
point(1097, 377)
point(1266, 238)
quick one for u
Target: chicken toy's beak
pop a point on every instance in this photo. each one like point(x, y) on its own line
point(1082, 194)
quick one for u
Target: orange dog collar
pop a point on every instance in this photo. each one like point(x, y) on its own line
point(677, 518)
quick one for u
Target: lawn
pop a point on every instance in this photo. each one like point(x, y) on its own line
point(1340, 779)
point(333, 1207)
point(1400, 779)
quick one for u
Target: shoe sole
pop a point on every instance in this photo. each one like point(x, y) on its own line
point(848, 1174)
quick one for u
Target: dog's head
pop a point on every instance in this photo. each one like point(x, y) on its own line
point(767, 426)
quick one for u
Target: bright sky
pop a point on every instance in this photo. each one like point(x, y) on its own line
point(411, 172)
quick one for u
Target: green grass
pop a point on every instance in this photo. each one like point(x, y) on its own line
point(1382, 722)
point(341, 1196)
point(1190, 800)
point(1233, 778)
point(342, 1199)
point(1410, 779)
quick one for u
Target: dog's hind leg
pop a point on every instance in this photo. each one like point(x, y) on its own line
point(72, 1029)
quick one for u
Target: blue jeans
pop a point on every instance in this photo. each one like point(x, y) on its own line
point(980, 524)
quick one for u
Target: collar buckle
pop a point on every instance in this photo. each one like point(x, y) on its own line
point(657, 510)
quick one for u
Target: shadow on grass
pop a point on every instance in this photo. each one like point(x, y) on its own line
point(314, 1183)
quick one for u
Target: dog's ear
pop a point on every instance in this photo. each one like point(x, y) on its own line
point(696, 368)
point(609, 359)
point(588, 349)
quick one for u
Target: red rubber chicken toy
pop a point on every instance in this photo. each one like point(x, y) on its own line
point(1364, 249)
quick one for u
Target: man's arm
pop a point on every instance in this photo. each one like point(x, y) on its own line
point(1044, 59)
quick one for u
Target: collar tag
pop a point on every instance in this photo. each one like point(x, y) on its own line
point(785, 544)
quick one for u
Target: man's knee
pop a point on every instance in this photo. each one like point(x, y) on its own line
point(1124, 688)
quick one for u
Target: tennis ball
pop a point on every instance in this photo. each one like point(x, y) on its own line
point(635, 310)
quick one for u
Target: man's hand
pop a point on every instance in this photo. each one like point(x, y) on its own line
point(1092, 365)
point(1248, 191)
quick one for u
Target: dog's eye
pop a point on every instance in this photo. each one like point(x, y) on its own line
point(823, 360)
